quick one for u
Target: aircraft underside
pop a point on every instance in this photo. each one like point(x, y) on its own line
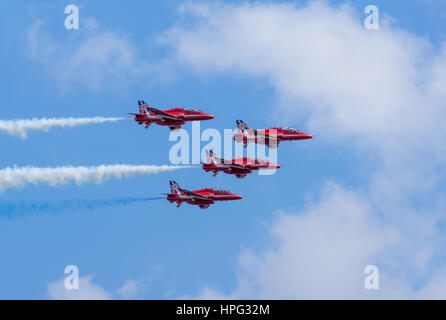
point(238, 173)
point(271, 143)
point(173, 125)
point(203, 204)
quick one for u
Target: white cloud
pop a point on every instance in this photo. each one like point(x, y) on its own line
point(381, 92)
point(325, 249)
point(320, 252)
point(87, 290)
point(90, 291)
point(130, 289)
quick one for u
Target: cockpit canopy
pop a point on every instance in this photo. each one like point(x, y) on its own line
point(222, 190)
point(191, 109)
point(289, 129)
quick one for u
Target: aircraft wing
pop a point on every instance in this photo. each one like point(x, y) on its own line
point(263, 136)
point(236, 166)
point(262, 133)
point(194, 195)
point(163, 115)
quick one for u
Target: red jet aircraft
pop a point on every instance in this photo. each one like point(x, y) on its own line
point(173, 118)
point(270, 137)
point(240, 167)
point(202, 198)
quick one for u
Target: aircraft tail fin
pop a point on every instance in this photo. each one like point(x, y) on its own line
point(143, 107)
point(241, 125)
point(210, 155)
point(174, 187)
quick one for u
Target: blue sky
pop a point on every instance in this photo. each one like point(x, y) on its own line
point(172, 252)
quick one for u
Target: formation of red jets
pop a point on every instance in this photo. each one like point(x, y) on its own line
point(174, 118)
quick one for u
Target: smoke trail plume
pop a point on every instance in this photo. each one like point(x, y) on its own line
point(16, 177)
point(20, 208)
point(19, 128)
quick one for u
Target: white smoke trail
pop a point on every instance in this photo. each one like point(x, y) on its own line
point(19, 177)
point(19, 128)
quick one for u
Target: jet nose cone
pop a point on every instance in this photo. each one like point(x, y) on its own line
point(211, 116)
point(277, 166)
point(237, 197)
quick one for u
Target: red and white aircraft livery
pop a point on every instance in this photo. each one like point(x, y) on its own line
point(202, 198)
point(240, 167)
point(270, 137)
point(173, 118)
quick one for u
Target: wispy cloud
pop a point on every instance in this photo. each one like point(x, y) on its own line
point(94, 59)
